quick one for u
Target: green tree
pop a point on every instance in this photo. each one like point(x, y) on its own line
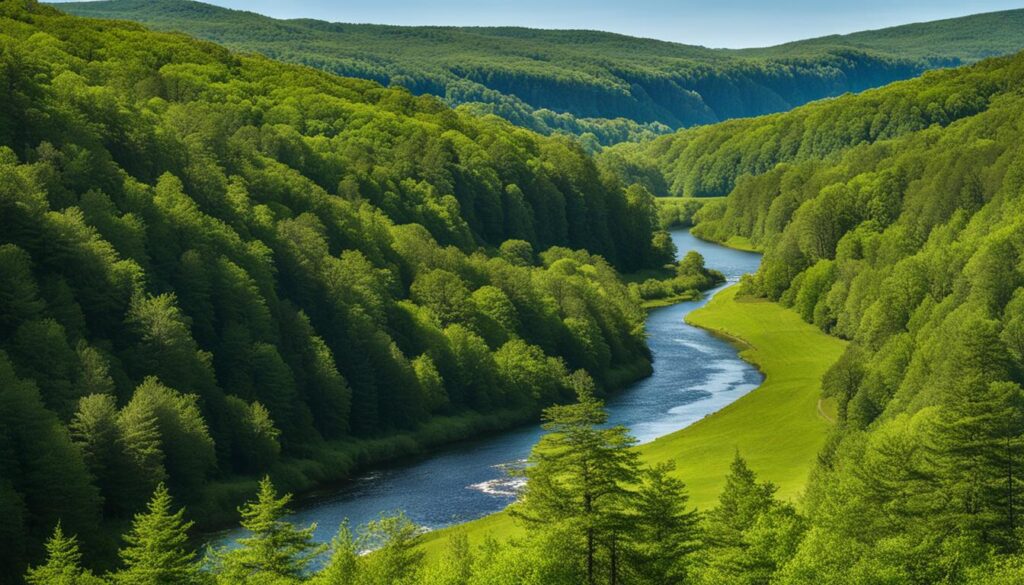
point(661, 532)
point(455, 565)
point(275, 550)
point(254, 437)
point(344, 562)
point(445, 294)
point(978, 452)
point(517, 252)
point(96, 430)
point(578, 475)
point(395, 560)
point(156, 551)
point(743, 501)
point(63, 564)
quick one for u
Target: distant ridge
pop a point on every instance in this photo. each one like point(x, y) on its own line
point(606, 87)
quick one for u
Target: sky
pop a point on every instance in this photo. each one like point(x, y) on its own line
point(712, 23)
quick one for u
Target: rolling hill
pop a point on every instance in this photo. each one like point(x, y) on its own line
point(607, 87)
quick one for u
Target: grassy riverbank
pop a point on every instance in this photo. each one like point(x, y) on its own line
point(777, 427)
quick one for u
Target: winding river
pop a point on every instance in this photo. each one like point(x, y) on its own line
point(695, 374)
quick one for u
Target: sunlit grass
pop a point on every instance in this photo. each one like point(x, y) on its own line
point(776, 427)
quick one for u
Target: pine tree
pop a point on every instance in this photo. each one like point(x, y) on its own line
point(343, 566)
point(63, 564)
point(156, 551)
point(742, 503)
point(395, 560)
point(978, 451)
point(662, 532)
point(578, 474)
point(455, 567)
point(276, 550)
point(742, 499)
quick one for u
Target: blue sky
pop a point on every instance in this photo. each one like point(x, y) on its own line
point(714, 23)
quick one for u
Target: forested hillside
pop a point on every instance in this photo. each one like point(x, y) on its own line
point(910, 245)
point(605, 87)
point(708, 161)
point(213, 266)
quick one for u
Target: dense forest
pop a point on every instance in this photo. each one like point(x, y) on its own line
point(907, 241)
point(217, 266)
point(604, 87)
point(709, 160)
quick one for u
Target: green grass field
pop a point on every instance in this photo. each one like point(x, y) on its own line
point(741, 243)
point(779, 427)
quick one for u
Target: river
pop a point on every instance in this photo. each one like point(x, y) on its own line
point(695, 374)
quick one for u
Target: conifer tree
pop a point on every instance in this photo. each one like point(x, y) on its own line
point(578, 474)
point(63, 564)
point(743, 501)
point(343, 566)
point(276, 551)
point(455, 567)
point(157, 550)
point(978, 451)
point(395, 560)
point(663, 534)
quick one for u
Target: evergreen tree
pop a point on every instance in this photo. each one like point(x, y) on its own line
point(343, 566)
point(157, 551)
point(978, 453)
point(275, 550)
point(455, 567)
point(742, 503)
point(63, 564)
point(395, 559)
point(662, 533)
point(577, 475)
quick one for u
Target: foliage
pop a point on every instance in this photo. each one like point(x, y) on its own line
point(908, 244)
point(216, 265)
point(602, 87)
point(679, 280)
point(276, 551)
point(156, 551)
point(713, 160)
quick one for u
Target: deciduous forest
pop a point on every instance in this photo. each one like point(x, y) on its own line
point(226, 279)
point(216, 266)
point(603, 87)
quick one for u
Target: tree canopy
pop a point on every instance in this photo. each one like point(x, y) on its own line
point(604, 88)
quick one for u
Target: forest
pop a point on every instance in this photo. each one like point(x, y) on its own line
point(217, 267)
point(906, 241)
point(226, 279)
point(708, 161)
point(602, 87)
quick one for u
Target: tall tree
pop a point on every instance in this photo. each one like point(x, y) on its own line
point(275, 550)
point(395, 560)
point(63, 564)
point(662, 533)
point(978, 452)
point(578, 475)
point(157, 550)
point(743, 501)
